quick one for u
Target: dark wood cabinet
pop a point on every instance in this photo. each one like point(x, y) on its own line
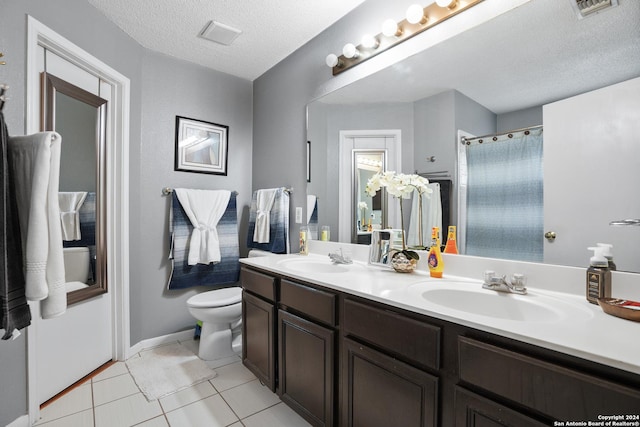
point(258, 327)
point(473, 410)
point(380, 391)
point(306, 375)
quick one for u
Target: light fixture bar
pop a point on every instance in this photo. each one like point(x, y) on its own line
point(435, 15)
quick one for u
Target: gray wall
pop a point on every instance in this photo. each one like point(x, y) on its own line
point(519, 119)
point(161, 87)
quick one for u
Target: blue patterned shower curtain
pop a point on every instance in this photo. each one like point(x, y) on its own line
point(505, 216)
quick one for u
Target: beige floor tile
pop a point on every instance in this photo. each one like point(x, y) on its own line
point(79, 419)
point(187, 396)
point(249, 398)
point(77, 400)
point(215, 364)
point(209, 412)
point(230, 376)
point(127, 411)
point(114, 388)
point(160, 421)
point(118, 368)
point(279, 415)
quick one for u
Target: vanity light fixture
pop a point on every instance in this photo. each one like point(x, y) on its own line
point(415, 15)
point(418, 19)
point(350, 51)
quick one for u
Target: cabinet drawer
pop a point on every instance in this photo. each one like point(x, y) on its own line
point(553, 390)
point(313, 303)
point(415, 340)
point(258, 283)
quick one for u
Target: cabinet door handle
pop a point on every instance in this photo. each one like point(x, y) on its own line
point(550, 235)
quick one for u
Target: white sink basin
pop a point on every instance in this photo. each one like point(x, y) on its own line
point(472, 299)
point(314, 265)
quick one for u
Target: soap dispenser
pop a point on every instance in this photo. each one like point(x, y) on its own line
point(608, 254)
point(598, 276)
point(436, 265)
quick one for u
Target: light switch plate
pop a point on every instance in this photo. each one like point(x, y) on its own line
point(298, 215)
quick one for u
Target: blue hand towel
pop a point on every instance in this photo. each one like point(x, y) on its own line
point(220, 275)
point(278, 224)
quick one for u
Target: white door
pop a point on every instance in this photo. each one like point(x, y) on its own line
point(389, 140)
point(602, 124)
point(76, 343)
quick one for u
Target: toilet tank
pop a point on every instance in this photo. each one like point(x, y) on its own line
point(76, 264)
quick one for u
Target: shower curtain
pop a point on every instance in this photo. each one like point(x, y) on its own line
point(505, 216)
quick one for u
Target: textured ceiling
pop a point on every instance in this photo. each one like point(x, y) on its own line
point(532, 55)
point(271, 30)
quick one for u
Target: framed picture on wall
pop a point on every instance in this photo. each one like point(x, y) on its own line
point(201, 146)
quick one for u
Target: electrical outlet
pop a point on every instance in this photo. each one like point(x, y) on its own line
point(298, 215)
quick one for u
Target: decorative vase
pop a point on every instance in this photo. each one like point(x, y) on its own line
point(402, 264)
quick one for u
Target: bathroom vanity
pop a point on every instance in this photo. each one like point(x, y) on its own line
point(359, 345)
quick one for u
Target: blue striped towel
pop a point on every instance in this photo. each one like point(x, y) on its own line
point(279, 224)
point(222, 274)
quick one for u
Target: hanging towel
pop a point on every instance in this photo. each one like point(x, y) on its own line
point(312, 209)
point(278, 224)
point(222, 274)
point(431, 216)
point(204, 208)
point(35, 163)
point(264, 204)
point(14, 311)
point(70, 203)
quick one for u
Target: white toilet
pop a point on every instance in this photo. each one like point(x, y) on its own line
point(220, 312)
point(76, 267)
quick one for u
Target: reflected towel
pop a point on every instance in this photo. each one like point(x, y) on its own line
point(14, 311)
point(222, 274)
point(312, 209)
point(35, 163)
point(204, 208)
point(431, 216)
point(278, 224)
point(264, 204)
point(70, 203)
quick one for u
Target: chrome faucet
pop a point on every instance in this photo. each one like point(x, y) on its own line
point(501, 284)
point(340, 258)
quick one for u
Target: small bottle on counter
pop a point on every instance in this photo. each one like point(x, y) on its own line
point(451, 247)
point(304, 240)
point(325, 233)
point(598, 276)
point(436, 265)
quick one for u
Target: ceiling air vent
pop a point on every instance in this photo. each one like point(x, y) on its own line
point(219, 33)
point(587, 7)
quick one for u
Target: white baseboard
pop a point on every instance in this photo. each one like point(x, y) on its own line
point(23, 421)
point(164, 339)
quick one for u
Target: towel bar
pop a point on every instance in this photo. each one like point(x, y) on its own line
point(168, 190)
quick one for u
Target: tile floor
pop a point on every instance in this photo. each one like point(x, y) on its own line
point(111, 399)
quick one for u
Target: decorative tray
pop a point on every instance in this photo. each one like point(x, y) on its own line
point(623, 308)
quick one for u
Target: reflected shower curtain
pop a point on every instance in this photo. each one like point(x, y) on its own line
point(505, 198)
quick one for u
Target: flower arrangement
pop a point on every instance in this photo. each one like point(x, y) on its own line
point(401, 186)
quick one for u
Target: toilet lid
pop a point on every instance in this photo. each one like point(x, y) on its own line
point(217, 298)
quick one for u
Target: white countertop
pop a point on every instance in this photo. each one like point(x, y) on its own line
point(574, 327)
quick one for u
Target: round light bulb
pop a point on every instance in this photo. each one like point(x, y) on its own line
point(415, 14)
point(446, 3)
point(369, 41)
point(350, 51)
point(331, 60)
point(390, 28)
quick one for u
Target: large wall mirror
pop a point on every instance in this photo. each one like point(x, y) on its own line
point(80, 118)
point(496, 77)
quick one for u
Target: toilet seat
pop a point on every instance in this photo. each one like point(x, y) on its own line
point(216, 298)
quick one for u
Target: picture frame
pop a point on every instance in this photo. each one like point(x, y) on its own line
point(201, 147)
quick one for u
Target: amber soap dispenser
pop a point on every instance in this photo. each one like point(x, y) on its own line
point(598, 276)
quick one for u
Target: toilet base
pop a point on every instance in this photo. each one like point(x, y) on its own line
point(216, 343)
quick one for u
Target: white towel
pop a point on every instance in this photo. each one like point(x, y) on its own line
point(311, 204)
point(204, 208)
point(70, 203)
point(35, 163)
point(431, 216)
point(264, 204)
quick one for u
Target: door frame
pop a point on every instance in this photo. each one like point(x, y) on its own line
point(117, 177)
